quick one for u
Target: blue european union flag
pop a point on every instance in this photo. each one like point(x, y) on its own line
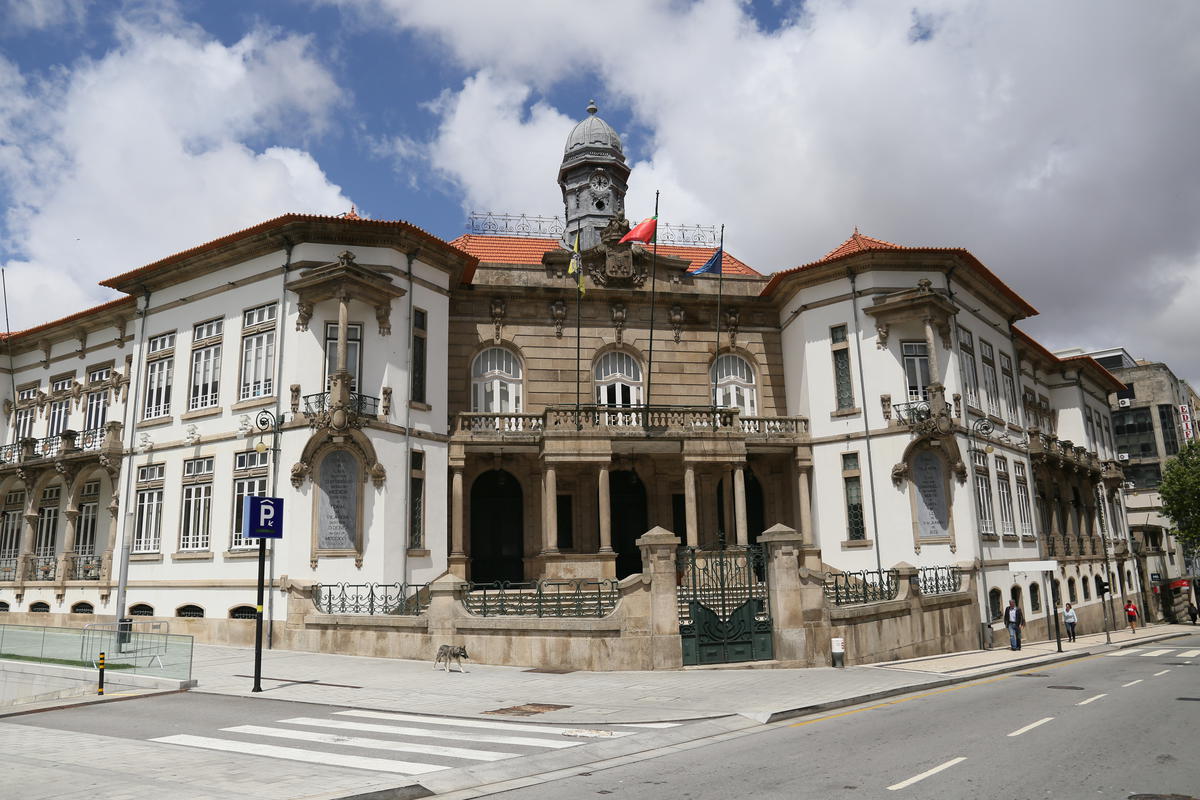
point(712, 265)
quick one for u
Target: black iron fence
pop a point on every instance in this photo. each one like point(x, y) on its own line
point(865, 586)
point(364, 405)
point(564, 597)
point(939, 580)
point(371, 598)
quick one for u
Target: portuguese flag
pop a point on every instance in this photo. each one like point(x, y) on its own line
point(642, 232)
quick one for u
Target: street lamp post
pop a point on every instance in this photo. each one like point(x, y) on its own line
point(265, 421)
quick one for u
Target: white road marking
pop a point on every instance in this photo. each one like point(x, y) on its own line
point(1164, 672)
point(926, 774)
point(430, 733)
point(372, 744)
point(1155, 653)
point(1091, 699)
point(664, 724)
point(1189, 654)
point(296, 754)
point(1031, 726)
point(483, 723)
point(1131, 683)
point(1132, 651)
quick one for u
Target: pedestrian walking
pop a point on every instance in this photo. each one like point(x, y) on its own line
point(1193, 612)
point(1014, 620)
point(1070, 618)
point(1131, 614)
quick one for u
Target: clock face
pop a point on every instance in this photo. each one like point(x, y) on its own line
point(599, 181)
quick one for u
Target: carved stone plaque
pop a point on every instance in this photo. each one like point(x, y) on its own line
point(339, 482)
point(929, 479)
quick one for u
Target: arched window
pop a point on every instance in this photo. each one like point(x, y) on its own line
point(1072, 594)
point(1128, 581)
point(141, 610)
point(1099, 593)
point(1035, 598)
point(1086, 585)
point(3, 606)
point(996, 603)
point(496, 381)
point(40, 608)
point(82, 608)
point(189, 611)
point(618, 380)
point(1056, 588)
point(243, 612)
point(734, 384)
point(1015, 594)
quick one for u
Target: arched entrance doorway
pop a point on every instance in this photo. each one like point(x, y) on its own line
point(497, 528)
point(627, 509)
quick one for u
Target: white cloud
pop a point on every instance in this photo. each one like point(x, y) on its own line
point(42, 14)
point(148, 150)
point(1055, 141)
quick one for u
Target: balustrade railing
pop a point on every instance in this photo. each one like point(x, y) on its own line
point(774, 426)
point(566, 597)
point(400, 599)
point(501, 422)
point(865, 586)
point(939, 580)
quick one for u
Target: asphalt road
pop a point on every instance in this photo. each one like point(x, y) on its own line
point(1117, 725)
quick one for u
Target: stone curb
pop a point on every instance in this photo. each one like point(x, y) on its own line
point(86, 701)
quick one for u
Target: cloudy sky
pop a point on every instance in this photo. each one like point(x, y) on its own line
point(1057, 141)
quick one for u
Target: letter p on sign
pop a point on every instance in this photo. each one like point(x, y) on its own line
point(262, 517)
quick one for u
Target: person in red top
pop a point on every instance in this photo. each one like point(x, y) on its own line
point(1131, 614)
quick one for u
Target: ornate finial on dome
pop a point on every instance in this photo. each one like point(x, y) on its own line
point(591, 109)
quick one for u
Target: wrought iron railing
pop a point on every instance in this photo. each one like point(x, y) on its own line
point(565, 597)
point(48, 446)
point(865, 586)
point(10, 454)
point(45, 568)
point(91, 439)
point(8, 569)
point(490, 223)
point(939, 580)
point(722, 580)
point(371, 598)
point(362, 404)
point(83, 568)
point(913, 413)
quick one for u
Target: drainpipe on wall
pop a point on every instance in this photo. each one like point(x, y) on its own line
point(862, 384)
point(276, 436)
point(406, 480)
point(131, 412)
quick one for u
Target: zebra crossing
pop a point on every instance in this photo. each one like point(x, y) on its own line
point(399, 743)
point(1155, 652)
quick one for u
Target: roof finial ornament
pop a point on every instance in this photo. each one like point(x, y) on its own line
point(591, 109)
point(856, 230)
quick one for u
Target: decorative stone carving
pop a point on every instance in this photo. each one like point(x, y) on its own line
point(885, 401)
point(8, 407)
point(383, 315)
point(618, 318)
point(732, 318)
point(304, 312)
point(676, 315)
point(386, 402)
point(900, 474)
point(300, 473)
point(881, 335)
point(498, 309)
point(957, 404)
point(45, 346)
point(81, 336)
point(378, 475)
point(295, 392)
point(119, 339)
point(558, 313)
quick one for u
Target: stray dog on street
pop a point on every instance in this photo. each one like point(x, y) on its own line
point(451, 651)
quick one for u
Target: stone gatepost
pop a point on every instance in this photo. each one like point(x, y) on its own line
point(445, 608)
point(814, 607)
point(781, 546)
point(909, 583)
point(659, 548)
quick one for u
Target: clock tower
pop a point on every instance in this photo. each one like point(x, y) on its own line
point(593, 178)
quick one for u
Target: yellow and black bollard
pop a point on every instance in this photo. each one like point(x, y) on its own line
point(100, 665)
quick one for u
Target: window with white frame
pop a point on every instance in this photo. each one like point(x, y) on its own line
point(150, 472)
point(734, 380)
point(85, 529)
point(966, 352)
point(991, 388)
point(260, 315)
point(197, 513)
point(1011, 409)
point(46, 543)
point(1004, 490)
point(148, 522)
point(10, 535)
point(420, 331)
point(23, 424)
point(96, 410)
point(243, 488)
point(207, 330)
point(618, 379)
point(60, 411)
point(161, 343)
point(198, 467)
point(62, 384)
point(856, 527)
point(416, 501)
point(258, 352)
point(496, 382)
point(983, 493)
point(251, 459)
point(843, 383)
point(353, 352)
point(28, 393)
point(916, 370)
point(206, 377)
point(1024, 511)
point(158, 388)
point(99, 375)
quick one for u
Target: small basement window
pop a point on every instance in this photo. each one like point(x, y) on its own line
point(243, 612)
point(189, 611)
point(82, 608)
point(141, 610)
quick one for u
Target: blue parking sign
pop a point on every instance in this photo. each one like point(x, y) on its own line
point(262, 517)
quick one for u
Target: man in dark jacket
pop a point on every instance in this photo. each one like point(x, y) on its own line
point(1014, 620)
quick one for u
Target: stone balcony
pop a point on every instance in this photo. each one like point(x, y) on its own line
point(1063, 453)
point(71, 448)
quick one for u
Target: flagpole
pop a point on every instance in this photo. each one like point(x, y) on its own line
point(578, 326)
point(720, 287)
point(653, 287)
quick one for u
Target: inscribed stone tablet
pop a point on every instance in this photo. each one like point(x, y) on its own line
point(338, 515)
point(933, 516)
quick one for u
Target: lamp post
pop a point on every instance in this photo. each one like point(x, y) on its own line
point(981, 427)
point(266, 420)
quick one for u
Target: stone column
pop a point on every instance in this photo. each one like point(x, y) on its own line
point(739, 503)
point(605, 512)
point(806, 524)
point(726, 523)
point(550, 513)
point(66, 557)
point(689, 504)
point(456, 512)
point(106, 558)
point(791, 633)
point(658, 548)
point(25, 569)
point(930, 342)
point(343, 330)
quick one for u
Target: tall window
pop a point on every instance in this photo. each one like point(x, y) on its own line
point(195, 523)
point(991, 388)
point(916, 370)
point(496, 381)
point(1011, 409)
point(23, 424)
point(1004, 488)
point(983, 493)
point(618, 380)
point(258, 352)
point(1089, 427)
point(353, 352)
point(10, 536)
point(96, 413)
point(966, 349)
point(46, 543)
point(147, 528)
point(856, 527)
point(842, 380)
point(734, 381)
point(416, 501)
point(1166, 421)
point(159, 374)
point(85, 528)
point(249, 480)
point(420, 329)
point(1023, 508)
point(60, 410)
point(206, 364)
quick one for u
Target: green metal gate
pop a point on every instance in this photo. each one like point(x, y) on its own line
point(723, 611)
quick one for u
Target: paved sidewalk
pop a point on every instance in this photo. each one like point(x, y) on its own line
point(759, 694)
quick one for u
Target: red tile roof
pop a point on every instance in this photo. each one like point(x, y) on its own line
point(1114, 383)
point(110, 305)
point(518, 250)
point(857, 243)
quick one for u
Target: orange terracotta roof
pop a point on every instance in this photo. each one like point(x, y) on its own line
point(110, 305)
point(1114, 383)
point(126, 278)
point(518, 250)
point(857, 243)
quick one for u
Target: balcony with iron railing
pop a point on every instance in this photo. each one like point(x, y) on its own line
point(68, 445)
point(363, 405)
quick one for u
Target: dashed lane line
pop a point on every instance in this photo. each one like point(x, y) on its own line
point(926, 774)
point(1031, 726)
point(1164, 672)
point(1189, 654)
point(1131, 683)
point(1092, 699)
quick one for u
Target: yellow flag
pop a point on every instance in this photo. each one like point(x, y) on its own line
point(576, 266)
